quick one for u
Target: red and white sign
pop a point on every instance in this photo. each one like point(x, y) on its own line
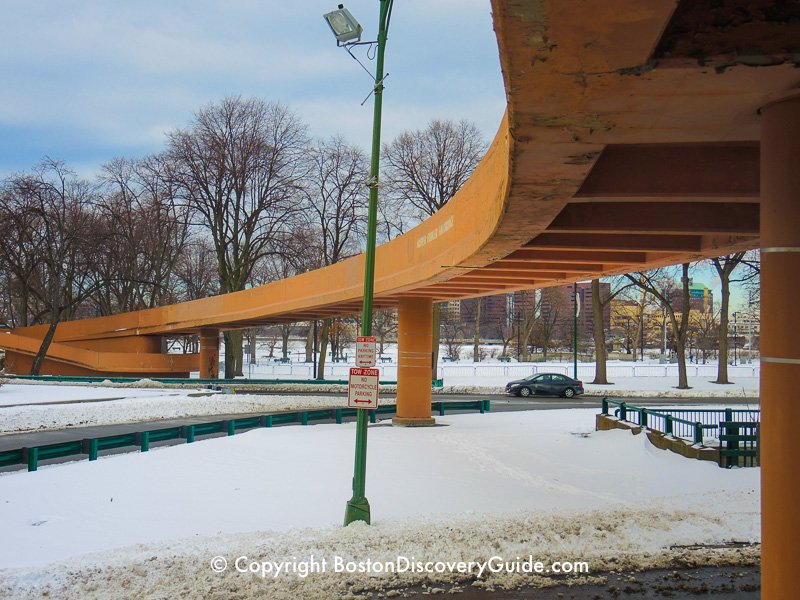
point(365, 351)
point(363, 389)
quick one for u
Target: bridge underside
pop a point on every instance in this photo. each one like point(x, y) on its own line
point(637, 134)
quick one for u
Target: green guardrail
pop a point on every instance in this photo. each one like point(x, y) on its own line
point(91, 447)
point(738, 440)
point(436, 383)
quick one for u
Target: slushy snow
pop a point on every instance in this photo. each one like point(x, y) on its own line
point(540, 483)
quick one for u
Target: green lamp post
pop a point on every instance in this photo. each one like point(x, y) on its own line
point(348, 32)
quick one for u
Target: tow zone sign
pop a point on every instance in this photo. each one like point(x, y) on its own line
point(365, 351)
point(362, 391)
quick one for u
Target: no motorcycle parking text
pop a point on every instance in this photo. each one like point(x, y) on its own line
point(362, 391)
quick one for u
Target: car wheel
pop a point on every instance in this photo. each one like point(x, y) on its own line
point(524, 392)
point(569, 393)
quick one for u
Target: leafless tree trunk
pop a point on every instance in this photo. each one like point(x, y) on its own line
point(725, 266)
point(451, 334)
point(661, 284)
point(476, 337)
point(286, 331)
point(337, 199)
point(59, 208)
point(310, 343)
point(600, 372)
point(324, 332)
point(599, 303)
point(436, 337)
point(238, 167)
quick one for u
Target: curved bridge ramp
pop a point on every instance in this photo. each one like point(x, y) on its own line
point(620, 151)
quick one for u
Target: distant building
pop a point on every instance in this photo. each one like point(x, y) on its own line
point(701, 298)
point(452, 309)
point(557, 303)
point(494, 314)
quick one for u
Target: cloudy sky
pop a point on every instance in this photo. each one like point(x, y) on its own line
point(88, 80)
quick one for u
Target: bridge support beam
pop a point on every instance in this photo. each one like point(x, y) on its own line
point(414, 362)
point(209, 353)
point(780, 352)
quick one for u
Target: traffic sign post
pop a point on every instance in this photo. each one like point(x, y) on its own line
point(366, 351)
point(362, 391)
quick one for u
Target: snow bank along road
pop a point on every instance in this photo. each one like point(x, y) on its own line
point(531, 484)
point(30, 407)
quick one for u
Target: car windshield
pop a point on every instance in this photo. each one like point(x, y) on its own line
point(532, 377)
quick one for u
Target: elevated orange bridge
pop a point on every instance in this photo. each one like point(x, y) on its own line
point(638, 133)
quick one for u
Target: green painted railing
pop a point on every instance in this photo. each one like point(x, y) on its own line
point(736, 431)
point(91, 447)
point(739, 444)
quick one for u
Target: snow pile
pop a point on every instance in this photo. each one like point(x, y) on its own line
point(508, 485)
point(641, 539)
point(18, 392)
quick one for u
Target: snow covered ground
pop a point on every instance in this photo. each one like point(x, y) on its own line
point(543, 484)
point(38, 406)
point(44, 393)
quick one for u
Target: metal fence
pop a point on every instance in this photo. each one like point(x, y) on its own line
point(734, 431)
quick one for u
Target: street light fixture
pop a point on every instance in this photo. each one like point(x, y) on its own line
point(348, 32)
point(343, 25)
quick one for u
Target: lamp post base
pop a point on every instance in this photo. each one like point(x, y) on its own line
point(357, 509)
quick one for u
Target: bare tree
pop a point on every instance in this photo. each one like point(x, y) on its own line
point(502, 327)
point(452, 334)
point(636, 303)
point(146, 234)
point(238, 167)
point(384, 324)
point(299, 253)
point(675, 301)
point(554, 305)
point(196, 271)
point(19, 249)
point(424, 169)
point(599, 303)
point(62, 240)
point(527, 306)
point(725, 266)
point(476, 332)
point(703, 326)
point(337, 197)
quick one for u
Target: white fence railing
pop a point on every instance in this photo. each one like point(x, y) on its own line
point(585, 371)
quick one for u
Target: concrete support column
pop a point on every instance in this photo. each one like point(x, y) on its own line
point(209, 353)
point(780, 351)
point(414, 362)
